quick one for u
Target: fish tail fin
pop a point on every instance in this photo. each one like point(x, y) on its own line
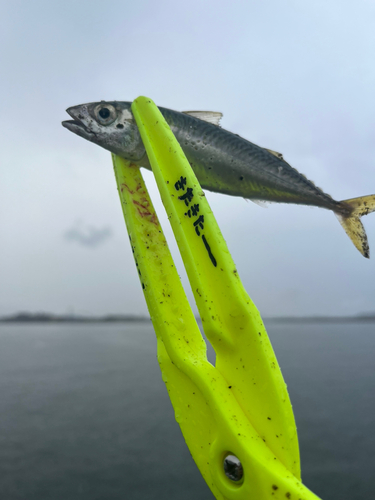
point(356, 208)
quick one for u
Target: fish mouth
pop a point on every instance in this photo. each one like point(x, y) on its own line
point(76, 125)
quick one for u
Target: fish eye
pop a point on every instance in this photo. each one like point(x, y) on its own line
point(105, 114)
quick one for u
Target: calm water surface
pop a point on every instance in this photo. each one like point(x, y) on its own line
point(85, 415)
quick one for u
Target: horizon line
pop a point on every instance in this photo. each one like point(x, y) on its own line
point(43, 317)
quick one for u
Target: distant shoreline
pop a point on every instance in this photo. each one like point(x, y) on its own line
point(25, 317)
point(322, 319)
point(69, 318)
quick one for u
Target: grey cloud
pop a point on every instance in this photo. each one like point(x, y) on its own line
point(88, 236)
point(296, 77)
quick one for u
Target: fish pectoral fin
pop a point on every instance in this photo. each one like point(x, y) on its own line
point(213, 117)
point(275, 153)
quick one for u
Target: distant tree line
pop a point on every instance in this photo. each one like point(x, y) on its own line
point(41, 317)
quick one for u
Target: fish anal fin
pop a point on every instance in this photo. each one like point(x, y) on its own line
point(260, 203)
point(357, 207)
point(213, 117)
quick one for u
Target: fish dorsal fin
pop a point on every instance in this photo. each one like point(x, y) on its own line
point(213, 117)
point(275, 153)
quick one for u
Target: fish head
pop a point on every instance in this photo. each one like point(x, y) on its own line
point(111, 125)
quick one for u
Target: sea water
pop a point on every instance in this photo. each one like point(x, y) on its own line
point(85, 415)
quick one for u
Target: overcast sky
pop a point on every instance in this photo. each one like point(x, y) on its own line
point(296, 77)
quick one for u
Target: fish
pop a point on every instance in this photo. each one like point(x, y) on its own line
point(223, 161)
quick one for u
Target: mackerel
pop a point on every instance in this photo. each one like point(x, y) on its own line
point(222, 161)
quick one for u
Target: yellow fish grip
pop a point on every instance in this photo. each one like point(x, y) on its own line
point(236, 416)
